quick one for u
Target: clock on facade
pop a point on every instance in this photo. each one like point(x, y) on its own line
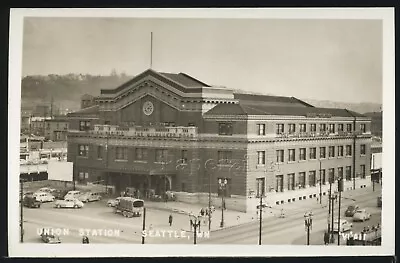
point(148, 108)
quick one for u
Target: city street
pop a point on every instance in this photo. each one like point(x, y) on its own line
point(106, 227)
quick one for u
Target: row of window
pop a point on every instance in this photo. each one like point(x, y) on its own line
point(280, 154)
point(323, 127)
point(312, 179)
point(140, 154)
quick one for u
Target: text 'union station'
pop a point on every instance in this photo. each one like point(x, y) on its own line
point(164, 131)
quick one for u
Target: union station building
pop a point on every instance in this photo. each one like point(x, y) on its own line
point(165, 131)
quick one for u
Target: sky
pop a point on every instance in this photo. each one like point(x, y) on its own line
point(337, 60)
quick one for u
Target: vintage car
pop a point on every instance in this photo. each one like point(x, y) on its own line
point(72, 194)
point(50, 239)
point(89, 197)
point(351, 209)
point(44, 197)
point(344, 225)
point(31, 202)
point(68, 203)
point(361, 215)
point(113, 202)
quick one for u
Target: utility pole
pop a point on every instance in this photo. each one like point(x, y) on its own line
point(260, 211)
point(209, 201)
point(320, 182)
point(354, 153)
point(340, 189)
point(107, 172)
point(21, 204)
point(144, 224)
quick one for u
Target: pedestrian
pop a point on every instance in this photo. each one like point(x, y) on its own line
point(326, 238)
point(170, 220)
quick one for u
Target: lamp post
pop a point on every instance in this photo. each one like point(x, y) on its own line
point(21, 204)
point(222, 186)
point(340, 189)
point(144, 224)
point(333, 198)
point(320, 182)
point(308, 225)
point(107, 172)
point(194, 222)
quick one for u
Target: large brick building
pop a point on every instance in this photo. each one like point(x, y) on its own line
point(166, 131)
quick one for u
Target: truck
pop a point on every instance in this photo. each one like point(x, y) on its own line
point(129, 207)
point(31, 202)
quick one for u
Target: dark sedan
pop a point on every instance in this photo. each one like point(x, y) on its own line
point(351, 210)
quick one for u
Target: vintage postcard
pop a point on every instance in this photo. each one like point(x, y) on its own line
point(201, 132)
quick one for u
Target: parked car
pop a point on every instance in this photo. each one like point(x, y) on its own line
point(68, 203)
point(351, 209)
point(113, 202)
point(59, 194)
point(361, 215)
point(72, 194)
point(50, 239)
point(344, 225)
point(28, 193)
point(46, 190)
point(44, 197)
point(31, 202)
point(379, 201)
point(89, 197)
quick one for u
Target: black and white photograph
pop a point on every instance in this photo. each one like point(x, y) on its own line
point(201, 132)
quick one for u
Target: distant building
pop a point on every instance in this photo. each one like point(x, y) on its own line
point(376, 123)
point(56, 129)
point(87, 101)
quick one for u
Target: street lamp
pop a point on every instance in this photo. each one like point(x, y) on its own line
point(194, 222)
point(222, 187)
point(308, 225)
point(340, 189)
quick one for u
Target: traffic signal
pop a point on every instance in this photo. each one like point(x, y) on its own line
point(340, 185)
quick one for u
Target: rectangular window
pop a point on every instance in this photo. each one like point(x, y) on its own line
point(184, 156)
point(349, 127)
point(340, 172)
point(340, 127)
point(292, 128)
point(83, 176)
point(225, 129)
point(348, 150)
point(99, 152)
point(261, 157)
point(313, 153)
point(331, 151)
point(348, 173)
point(363, 127)
point(331, 175)
point(322, 127)
point(362, 170)
point(280, 128)
point(292, 155)
point(331, 128)
point(340, 151)
point(302, 154)
point(224, 157)
point(279, 156)
point(121, 153)
point(322, 152)
point(260, 187)
point(302, 180)
point(261, 129)
point(362, 149)
point(291, 181)
point(313, 127)
point(161, 155)
point(83, 150)
point(84, 125)
point(303, 127)
point(279, 183)
point(323, 177)
point(311, 178)
point(140, 154)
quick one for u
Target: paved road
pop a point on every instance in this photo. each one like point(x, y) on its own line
point(97, 216)
point(291, 230)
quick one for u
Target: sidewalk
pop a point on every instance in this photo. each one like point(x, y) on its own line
point(235, 218)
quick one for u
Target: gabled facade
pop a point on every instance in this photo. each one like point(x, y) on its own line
point(165, 131)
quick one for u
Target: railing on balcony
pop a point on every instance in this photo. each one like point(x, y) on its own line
point(317, 134)
point(174, 132)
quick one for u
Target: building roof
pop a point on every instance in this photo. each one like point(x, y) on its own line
point(185, 80)
point(239, 109)
point(87, 97)
point(92, 110)
point(256, 99)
